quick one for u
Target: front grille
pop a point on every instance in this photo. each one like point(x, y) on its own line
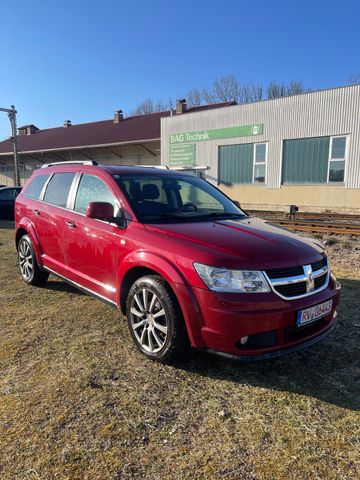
point(317, 265)
point(293, 282)
point(320, 281)
point(294, 271)
point(285, 272)
point(292, 290)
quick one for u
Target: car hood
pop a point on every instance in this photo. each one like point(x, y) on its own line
point(250, 242)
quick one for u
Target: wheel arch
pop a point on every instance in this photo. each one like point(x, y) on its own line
point(142, 264)
point(26, 228)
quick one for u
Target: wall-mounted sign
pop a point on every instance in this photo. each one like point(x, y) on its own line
point(202, 135)
point(182, 154)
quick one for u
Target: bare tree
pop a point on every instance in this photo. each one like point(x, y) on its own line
point(194, 97)
point(250, 92)
point(354, 78)
point(226, 89)
point(296, 88)
point(150, 106)
point(275, 90)
point(278, 90)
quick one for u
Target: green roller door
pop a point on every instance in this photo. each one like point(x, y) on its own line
point(305, 160)
point(236, 163)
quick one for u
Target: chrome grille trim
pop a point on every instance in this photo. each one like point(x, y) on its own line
point(276, 282)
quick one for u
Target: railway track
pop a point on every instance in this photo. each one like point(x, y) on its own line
point(331, 217)
point(320, 226)
point(317, 223)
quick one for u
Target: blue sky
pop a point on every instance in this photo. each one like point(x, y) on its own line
point(81, 60)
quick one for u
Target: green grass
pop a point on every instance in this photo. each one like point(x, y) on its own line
point(77, 401)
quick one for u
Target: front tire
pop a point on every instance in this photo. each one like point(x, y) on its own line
point(155, 320)
point(29, 268)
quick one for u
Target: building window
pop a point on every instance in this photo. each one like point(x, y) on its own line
point(337, 159)
point(314, 160)
point(244, 164)
point(259, 162)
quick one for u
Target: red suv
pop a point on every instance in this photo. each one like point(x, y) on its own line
point(180, 258)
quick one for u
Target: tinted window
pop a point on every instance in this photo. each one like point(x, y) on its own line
point(33, 190)
point(8, 194)
point(338, 147)
point(58, 189)
point(92, 189)
point(336, 173)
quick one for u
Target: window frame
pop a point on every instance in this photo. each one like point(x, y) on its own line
point(265, 162)
point(44, 190)
point(260, 163)
point(344, 159)
point(74, 190)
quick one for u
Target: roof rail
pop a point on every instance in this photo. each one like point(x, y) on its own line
point(77, 162)
point(162, 167)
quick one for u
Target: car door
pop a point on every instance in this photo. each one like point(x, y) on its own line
point(93, 247)
point(7, 202)
point(51, 218)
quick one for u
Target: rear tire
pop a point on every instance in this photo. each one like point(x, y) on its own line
point(29, 268)
point(155, 319)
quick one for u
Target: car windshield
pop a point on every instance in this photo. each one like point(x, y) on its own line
point(175, 198)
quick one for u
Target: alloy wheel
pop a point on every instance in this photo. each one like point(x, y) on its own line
point(148, 320)
point(26, 261)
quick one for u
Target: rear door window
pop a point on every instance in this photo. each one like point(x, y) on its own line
point(58, 189)
point(34, 189)
point(92, 189)
point(8, 194)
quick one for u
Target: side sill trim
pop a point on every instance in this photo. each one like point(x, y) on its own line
point(83, 289)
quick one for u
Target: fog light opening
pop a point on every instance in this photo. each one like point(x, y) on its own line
point(243, 340)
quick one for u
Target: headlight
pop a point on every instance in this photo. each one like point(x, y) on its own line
point(223, 280)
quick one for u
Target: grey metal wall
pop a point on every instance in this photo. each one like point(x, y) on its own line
point(325, 113)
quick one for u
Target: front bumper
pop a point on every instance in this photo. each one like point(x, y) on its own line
point(220, 320)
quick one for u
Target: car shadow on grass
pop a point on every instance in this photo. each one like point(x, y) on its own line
point(329, 370)
point(61, 286)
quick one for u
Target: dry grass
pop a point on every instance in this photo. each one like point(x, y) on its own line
point(78, 402)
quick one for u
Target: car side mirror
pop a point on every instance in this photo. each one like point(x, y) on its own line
point(237, 203)
point(105, 211)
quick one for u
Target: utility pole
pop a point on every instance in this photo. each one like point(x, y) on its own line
point(12, 117)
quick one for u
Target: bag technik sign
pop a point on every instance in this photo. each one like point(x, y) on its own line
point(230, 132)
point(183, 154)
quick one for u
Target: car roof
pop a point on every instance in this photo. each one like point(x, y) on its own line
point(135, 170)
point(111, 169)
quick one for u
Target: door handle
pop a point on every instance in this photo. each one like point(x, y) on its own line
point(70, 224)
point(36, 211)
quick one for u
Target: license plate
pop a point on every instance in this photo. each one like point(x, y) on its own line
point(311, 314)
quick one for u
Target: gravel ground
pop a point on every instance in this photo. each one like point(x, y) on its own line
point(343, 250)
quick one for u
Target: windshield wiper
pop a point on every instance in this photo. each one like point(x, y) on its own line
point(191, 218)
point(221, 215)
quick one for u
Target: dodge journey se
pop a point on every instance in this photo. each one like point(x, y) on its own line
point(179, 258)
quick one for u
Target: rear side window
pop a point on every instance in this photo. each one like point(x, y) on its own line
point(34, 189)
point(92, 189)
point(8, 194)
point(58, 189)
